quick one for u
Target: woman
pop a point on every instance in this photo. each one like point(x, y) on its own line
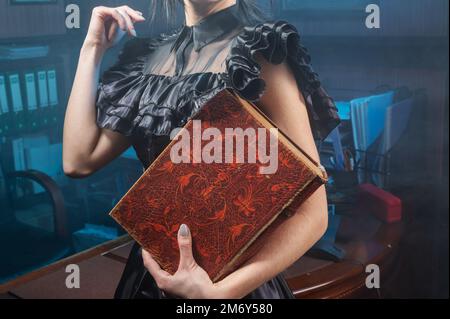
point(158, 84)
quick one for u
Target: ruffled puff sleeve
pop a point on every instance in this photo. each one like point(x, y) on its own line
point(120, 89)
point(279, 42)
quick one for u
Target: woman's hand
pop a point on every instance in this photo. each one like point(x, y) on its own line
point(190, 281)
point(109, 25)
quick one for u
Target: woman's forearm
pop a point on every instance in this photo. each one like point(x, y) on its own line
point(286, 244)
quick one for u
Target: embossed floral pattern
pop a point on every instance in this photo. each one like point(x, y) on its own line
point(225, 205)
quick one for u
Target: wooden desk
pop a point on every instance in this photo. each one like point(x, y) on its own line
point(100, 272)
point(365, 240)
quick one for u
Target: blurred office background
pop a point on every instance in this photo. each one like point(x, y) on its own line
point(400, 69)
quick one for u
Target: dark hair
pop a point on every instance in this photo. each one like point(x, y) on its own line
point(248, 9)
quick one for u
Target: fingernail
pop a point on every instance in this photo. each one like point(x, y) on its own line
point(184, 231)
point(133, 33)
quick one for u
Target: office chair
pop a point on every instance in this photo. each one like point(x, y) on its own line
point(24, 247)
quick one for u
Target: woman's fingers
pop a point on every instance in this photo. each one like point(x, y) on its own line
point(120, 20)
point(135, 15)
point(128, 22)
point(161, 277)
point(107, 21)
point(130, 16)
point(185, 243)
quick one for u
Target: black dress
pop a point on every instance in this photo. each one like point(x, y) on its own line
point(158, 84)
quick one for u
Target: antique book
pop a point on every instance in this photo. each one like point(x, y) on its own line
point(231, 189)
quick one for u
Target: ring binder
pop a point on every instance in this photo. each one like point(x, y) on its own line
point(32, 103)
point(4, 108)
point(18, 114)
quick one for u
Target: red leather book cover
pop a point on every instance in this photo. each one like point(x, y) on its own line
point(230, 205)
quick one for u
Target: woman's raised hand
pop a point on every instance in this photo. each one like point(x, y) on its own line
point(109, 25)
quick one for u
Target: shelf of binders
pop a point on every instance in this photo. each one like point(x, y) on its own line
point(29, 96)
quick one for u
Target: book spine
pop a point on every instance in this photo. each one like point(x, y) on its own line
point(303, 196)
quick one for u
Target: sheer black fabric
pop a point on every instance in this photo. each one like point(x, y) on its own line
point(158, 84)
